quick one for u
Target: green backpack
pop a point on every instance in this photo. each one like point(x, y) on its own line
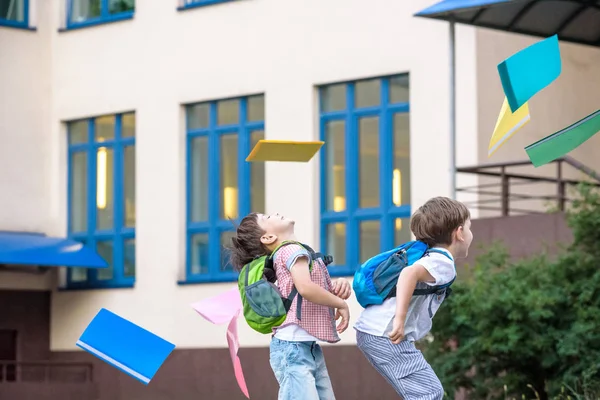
point(264, 305)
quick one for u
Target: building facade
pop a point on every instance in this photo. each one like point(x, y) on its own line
point(125, 126)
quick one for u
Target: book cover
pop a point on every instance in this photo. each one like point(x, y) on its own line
point(125, 345)
point(284, 150)
point(530, 70)
point(562, 142)
point(508, 124)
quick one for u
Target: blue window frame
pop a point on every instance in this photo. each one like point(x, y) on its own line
point(221, 186)
point(365, 169)
point(101, 197)
point(14, 13)
point(83, 13)
point(187, 4)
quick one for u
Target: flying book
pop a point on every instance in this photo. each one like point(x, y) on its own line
point(284, 150)
point(560, 143)
point(507, 124)
point(125, 345)
point(530, 70)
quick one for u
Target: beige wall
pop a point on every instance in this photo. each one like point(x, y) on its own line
point(162, 59)
point(574, 95)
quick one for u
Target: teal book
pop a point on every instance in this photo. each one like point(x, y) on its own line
point(562, 142)
point(530, 70)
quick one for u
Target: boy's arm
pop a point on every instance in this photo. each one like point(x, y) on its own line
point(316, 294)
point(310, 290)
point(406, 285)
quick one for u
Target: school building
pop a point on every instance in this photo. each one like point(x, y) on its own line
point(124, 126)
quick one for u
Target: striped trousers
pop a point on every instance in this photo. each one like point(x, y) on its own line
point(402, 365)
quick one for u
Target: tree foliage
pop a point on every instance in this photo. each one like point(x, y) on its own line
point(529, 326)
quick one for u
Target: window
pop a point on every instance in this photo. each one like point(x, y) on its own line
point(187, 4)
point(93, 12)
point(221, 186)
point(365, 169)
point(14, 13)
point(102, 197)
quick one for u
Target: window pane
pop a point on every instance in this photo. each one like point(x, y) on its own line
point(401, 174)
point(333, 97)
point(105, 250)
point(369, 239)
point(399, 89)
point(12, 10)
point(198, 116)
point(228, 112)
point(402, 232)
point(368, 131)
point(199, 248)
point(105, 128)
point(79, 188)
point(229, 177)
point(79, 274)
point(199, 179)
point(129, 254)
point(226, 242)
point(82, 10)
point(257, 178)
point(367, 93)
point(118, 6)
point(78, 130)
point(256, 108)
point(128, 125)
point(129, 189)
point(336, 243)
point(105, 162)
point(335, 165)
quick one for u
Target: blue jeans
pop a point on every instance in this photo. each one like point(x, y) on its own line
point(300, 371)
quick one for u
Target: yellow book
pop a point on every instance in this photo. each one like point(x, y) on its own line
point(284, 150)
point(508, 123)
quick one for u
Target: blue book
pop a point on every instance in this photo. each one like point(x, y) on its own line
point(125, 345)
point(530, 70)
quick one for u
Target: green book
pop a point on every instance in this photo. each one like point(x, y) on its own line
point(562, 142)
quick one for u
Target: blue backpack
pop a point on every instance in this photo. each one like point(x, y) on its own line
point(376, 279)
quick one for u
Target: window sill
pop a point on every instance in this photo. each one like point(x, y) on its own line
point(111, 285)
point(196, 280)
point(16, 25)
point(98, 21)
point(202, 3)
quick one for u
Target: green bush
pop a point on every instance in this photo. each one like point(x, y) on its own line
point(530, 328)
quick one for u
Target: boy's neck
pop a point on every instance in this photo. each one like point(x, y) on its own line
point(284, 238)
point(450, 249)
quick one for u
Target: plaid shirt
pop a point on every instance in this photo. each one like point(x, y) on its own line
point(316, 319)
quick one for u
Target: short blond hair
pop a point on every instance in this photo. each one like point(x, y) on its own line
point(436, 220)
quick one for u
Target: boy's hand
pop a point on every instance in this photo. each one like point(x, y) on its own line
point(397, 333)
point(344, 313)
point(342, 289)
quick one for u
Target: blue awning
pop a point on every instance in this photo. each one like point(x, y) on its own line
point(37, 249)
point(575, 21)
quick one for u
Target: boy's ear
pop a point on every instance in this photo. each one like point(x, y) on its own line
point(268, 239)
point(460, 234)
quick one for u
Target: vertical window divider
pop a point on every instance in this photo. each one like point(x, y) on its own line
point(386, 166)
point(352, 181)
point(214, 195)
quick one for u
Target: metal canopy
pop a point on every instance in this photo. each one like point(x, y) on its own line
point(24, 248)
point(576, 21)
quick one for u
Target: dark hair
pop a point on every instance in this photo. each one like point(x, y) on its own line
point(246, 244)
point(436, 220)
